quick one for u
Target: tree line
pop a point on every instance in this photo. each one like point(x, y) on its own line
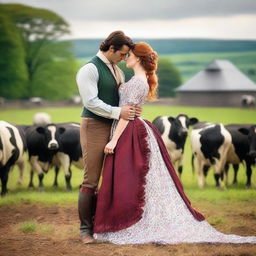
point(35, 62)
point(84, 48)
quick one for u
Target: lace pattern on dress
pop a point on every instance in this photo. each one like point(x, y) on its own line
point(133, 92)
point(166, 219)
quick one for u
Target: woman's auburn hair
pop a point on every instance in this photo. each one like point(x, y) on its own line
point(149, 61)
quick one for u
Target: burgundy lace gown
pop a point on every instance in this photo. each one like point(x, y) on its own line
point(141, 199)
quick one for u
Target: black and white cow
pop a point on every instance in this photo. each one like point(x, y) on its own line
point(243, 149)
point(251, 133)
point(210, 145)
point(42, 145)
point(41, 118)
point(248, 101)
point(174, 131)
point(12, 151)
point(69, 151)
point(54, 145)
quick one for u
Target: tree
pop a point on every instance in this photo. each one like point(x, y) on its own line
point(168, 77)
point(50, 63)
point(54, 78)
point(35, 23)
point(13, 70)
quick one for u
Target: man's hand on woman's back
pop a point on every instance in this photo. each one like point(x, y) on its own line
point(128, 112)
point(138, 110)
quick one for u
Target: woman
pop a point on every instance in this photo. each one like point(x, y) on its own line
point(141, 199)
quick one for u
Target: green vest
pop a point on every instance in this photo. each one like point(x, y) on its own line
point(107, 89)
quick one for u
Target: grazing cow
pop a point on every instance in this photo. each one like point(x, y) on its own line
point(248, 101)
point(76, 99)
point(55, 145)
point(12, 149)
point(174, 132)
point(69, 151)
point(239, 151)
point(41, 118)
point(36, 100)
point(21, 165)
point(42, 145)
point(251, 133)
point(210, 144)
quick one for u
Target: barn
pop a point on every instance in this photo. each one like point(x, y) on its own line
point(221, 83)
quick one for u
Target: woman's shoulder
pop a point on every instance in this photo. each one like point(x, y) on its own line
point(133, 92)
point(140, 78)
point(135, 80)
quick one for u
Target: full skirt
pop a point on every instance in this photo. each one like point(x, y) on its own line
point(166, 218)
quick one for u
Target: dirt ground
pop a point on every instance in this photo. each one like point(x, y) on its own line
point(57, 234)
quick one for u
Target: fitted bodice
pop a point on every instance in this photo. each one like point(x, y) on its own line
point(134, 91)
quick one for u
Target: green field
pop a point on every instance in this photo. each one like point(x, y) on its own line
point(60, 196)
point(190, 64)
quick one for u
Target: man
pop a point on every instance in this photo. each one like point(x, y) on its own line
point(98, 83)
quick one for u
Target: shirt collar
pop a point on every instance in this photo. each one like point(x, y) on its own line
point(103, 57)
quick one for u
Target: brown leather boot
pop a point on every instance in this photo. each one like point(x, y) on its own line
point(86, 202)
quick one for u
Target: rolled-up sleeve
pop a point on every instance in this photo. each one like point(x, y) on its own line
point(87, 79)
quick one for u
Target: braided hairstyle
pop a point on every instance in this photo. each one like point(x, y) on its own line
point(148, 59)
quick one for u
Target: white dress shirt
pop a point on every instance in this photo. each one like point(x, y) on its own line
point(87, 81)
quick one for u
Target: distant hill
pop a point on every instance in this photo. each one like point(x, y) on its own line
point(88, 47)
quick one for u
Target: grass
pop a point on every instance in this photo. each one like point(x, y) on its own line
point(191, 63)
point(50, 195)
point(210, 114)
point(215, 221)
point(46, 229)
point(28, 227)
point(33, 226)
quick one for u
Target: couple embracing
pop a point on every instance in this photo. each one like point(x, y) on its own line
point(140, 199)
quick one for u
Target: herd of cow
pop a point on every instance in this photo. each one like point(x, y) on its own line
point(58, 145)
point(48, 145)
point(212, 144)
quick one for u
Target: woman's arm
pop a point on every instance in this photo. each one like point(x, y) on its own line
point(109, 148)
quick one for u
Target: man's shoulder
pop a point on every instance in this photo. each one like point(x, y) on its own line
point(87, 71)
point(88, 67)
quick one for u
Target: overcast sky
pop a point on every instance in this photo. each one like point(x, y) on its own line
point(227, 19)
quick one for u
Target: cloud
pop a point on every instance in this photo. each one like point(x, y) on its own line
point(234, 27)
point(232, 19)
point(142, 9)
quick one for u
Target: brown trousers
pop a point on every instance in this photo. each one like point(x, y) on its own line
point(94, 135)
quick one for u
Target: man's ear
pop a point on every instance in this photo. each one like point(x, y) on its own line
point(111, 48)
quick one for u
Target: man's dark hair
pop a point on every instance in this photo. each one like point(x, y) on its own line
point(117, 39)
